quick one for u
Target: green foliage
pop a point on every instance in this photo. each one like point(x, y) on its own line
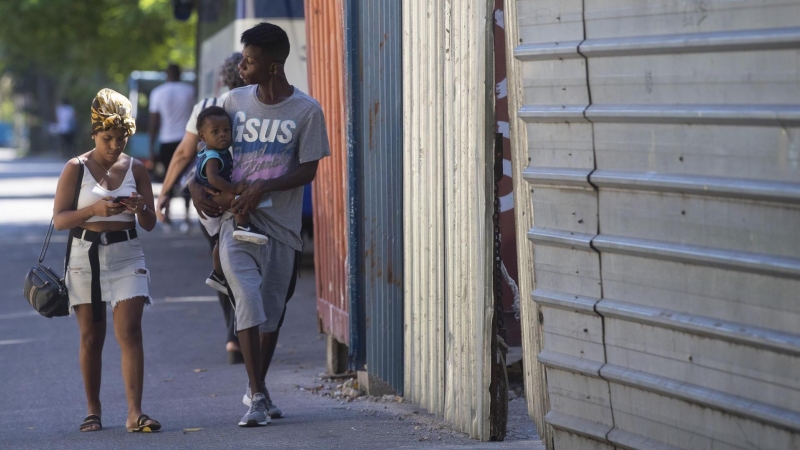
point(87, 44)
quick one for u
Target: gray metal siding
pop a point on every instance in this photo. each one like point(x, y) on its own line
point(380, 155)
point(664, 163)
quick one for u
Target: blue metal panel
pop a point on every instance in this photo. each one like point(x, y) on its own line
point(378, 134)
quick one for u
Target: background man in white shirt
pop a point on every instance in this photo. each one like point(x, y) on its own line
point(65, 128)
point(170, 107)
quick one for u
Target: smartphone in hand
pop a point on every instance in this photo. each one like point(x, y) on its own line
point(120, 199)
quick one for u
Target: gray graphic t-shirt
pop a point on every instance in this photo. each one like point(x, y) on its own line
point(268, 142)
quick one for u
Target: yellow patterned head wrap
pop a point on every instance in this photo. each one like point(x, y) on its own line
point(110, 109)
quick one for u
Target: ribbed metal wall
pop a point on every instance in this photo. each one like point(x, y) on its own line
point(423, 204)
point(447, 208)
point(325, 36)
point(536, 394)
point(665, 172)
point(379, 145)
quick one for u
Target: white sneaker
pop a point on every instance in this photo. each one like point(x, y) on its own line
point(250, 233)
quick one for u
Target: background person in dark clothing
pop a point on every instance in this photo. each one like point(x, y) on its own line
point(183, 158)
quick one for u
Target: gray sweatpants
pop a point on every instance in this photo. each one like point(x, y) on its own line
point(259, 277)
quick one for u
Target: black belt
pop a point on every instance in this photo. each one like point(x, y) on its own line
point(97, 239)
point(104, 237)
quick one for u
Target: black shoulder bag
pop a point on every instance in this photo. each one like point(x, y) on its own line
point(44, 290)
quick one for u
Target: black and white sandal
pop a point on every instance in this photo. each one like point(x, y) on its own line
point(143, 427)
point(90, 421)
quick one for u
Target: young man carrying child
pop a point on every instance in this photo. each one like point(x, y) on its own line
point(279, 136)
point(214, 168)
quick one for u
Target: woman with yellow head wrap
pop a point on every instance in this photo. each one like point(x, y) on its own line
point(106, 262)
point(110, 109)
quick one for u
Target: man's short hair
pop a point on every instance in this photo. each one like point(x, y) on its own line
point(271, 38)
point(174, 71)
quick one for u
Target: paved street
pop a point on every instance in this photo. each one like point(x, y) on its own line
point(189, 386)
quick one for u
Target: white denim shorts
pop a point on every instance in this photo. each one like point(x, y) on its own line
point(123, 274)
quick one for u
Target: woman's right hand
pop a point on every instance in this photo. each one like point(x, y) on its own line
point(106, 208)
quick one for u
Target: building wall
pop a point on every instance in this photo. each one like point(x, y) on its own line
point(377, 142)
point(536, 394)
point(664, 171)
point(448, 123)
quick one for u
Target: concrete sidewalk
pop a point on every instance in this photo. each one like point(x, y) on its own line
point(188, 383)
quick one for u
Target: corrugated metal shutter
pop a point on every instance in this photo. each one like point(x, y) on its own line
point(324, 25)
point(447, 209)
point(379, 154)
point(665, 165)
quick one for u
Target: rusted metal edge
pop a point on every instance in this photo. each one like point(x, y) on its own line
point(576, 425)
point(561, 238)
point(725, 41)
point(603, 433)
point(745, 115)
point(742, 407)
point(564, 300)
point(557, 176)
point(739, 188)
point(703, 256)
point(547, 51)
point(552, 113)
point(631, 441)
point(556, 360)
point(773, 340)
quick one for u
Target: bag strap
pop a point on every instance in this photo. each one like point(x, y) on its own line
point(46, 242)
point(78, 184)
point(43, 252)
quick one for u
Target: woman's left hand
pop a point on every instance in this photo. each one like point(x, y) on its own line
point(135, 204)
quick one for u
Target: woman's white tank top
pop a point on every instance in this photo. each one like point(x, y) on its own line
point(92, 192)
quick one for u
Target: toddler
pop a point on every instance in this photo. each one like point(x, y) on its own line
point(214, 168)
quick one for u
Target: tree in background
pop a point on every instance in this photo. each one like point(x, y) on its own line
point(70, 49)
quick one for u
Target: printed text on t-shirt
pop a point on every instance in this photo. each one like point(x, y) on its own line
point(263, 130)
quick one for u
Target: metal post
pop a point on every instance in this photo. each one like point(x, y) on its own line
point(357, 350)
